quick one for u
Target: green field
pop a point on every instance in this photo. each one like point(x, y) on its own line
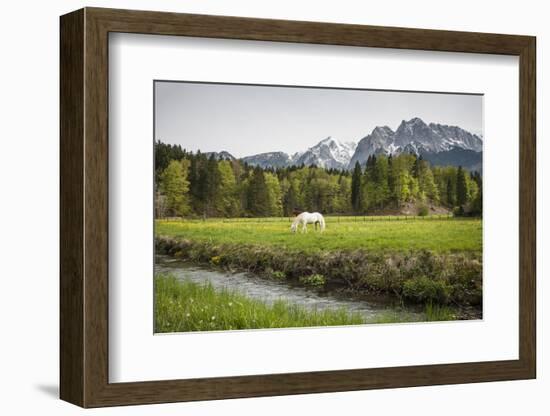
point(388, 234)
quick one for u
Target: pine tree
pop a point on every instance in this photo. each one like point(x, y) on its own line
point(258, 198)
point(477, 203)
point(290, 202)
point(356, 188)
point(382, 192)
point(369, 167)
point(392, 179)
point(212, 180)
point(450, 193)
point(193, 182)
point(199, 183)
point(416, 167)
point(164, 153)
point(461, 187)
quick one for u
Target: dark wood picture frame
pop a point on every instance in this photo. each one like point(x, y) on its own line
point(84, 207)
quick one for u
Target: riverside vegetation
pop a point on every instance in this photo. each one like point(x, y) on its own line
point(425, 261)
point(183, 306)
point(188, 306)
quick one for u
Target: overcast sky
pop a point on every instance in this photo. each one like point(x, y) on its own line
point(248, 119)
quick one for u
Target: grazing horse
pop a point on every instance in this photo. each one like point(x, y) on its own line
point(306, 218)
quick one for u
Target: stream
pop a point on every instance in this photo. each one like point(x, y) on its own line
point(269, 291)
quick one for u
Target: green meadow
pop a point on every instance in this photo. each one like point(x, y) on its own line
point(378, 234)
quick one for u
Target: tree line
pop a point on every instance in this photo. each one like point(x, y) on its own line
point(201, 185)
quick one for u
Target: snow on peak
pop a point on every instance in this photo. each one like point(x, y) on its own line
point(415, 136)
point(412, 136)
point(328, 153)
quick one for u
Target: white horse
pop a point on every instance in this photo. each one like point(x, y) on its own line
point(306, 218)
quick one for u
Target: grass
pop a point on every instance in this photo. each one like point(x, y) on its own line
point(414, 276)
point(390, 234)
point(418, 260)
point(432, 313)
point(184, 306)
point(436, 312)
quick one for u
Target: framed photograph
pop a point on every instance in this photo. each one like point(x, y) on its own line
point(255, 207)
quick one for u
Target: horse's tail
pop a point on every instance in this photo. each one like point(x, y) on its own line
point(322, 222)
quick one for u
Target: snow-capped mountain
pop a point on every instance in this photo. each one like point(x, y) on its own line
point(270, 159)
point(452, 144)
point(435, 137)
point(379, 141)
point(438, 143)
point(328, 153)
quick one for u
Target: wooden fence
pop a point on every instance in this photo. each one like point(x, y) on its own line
point(329, 218)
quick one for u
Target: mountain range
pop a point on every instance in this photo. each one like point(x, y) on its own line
point(328, 153)
point(439, 144)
